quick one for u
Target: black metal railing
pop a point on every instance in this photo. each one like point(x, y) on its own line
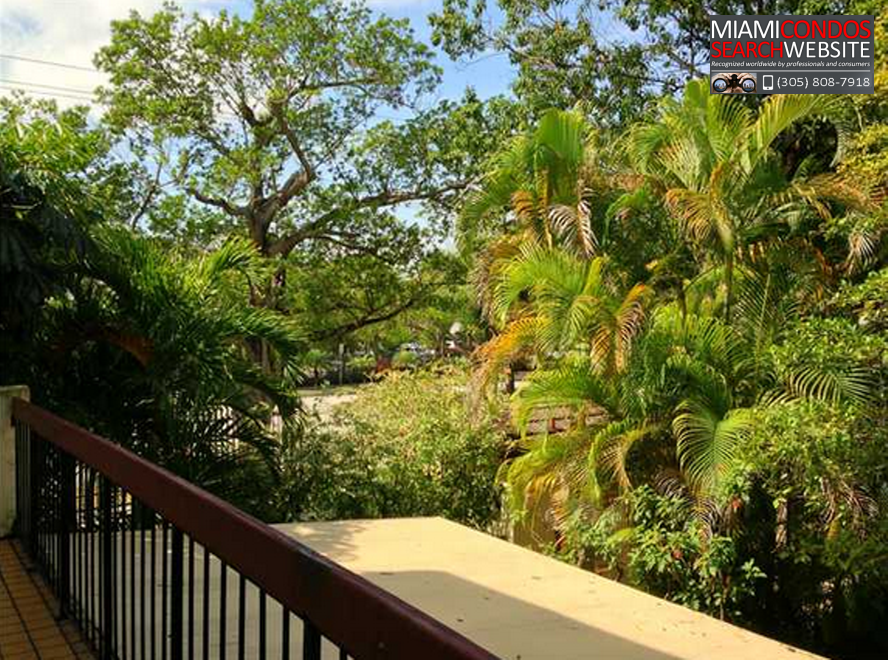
point(151, 566)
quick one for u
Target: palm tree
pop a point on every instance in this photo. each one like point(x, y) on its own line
point(685, 386)
point(714, 161)
point(565, 311)
point(543, 182)
point(543, 187)
point(677, 387)
point(162, 340)
point(552, 302)
point(680, 378)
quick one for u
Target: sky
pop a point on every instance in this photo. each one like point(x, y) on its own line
point(71, 31)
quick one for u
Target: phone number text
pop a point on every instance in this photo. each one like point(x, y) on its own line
point(803, 82)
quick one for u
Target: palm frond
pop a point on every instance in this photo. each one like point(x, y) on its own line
point(778, 113)
point(853, 383)
point(492, 356)
point(613, 444)
point(550, 466)
point(706, 441)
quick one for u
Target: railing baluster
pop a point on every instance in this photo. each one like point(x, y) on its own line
point(75, 546)
point(107, 575)
point(285, 634)
point(132, 525)
point(223, 593)
point(91, 550)
point(81, 548)
point(153, 587)
point(115, 600)
point(262, 627)
point(143, 597)
point(176, 594)
point(241, 617)
point(191, 580)
point(122, 562)
point(163, 591)
point(311, 641)
point(205, 610)
point(68, 506)
point(34, 483)
point(56, 526)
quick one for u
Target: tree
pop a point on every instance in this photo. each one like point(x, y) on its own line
point(57, 179)
point(150, 347)
point(560, 54)
point(715, 162)
point(260, 132)
point(867, 155)
point(253, 119)
point(616, 56)
point(142, 342)
point(682, 378)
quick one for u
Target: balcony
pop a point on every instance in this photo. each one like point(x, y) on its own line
point(142, 564)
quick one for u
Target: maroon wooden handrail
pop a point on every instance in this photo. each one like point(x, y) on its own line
point(348, 609)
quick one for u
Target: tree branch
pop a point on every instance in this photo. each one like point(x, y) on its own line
point(365, 321)
point(314, 229)
point(307, 171)
point(335, 84)
point(229, 208)
point(146, 200)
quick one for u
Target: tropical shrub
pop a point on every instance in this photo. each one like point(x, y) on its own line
point(866, 303)
point(404, 360)
point(667, 550)
point(152, 349)
point(363, 364)
point(402, 448)
point(669, 382)
point(810, 494)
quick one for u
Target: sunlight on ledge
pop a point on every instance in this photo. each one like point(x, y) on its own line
point(522, 605)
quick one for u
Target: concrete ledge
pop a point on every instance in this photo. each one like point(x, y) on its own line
point(7, 455)
point(521, 605)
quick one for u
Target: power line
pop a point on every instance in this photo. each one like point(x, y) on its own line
point(57, 88)
point(53, 94)
point(34, 60)
point(64, 89)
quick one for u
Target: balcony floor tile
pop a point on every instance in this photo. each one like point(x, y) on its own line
point(28, 625)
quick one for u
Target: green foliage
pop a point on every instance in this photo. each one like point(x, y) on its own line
point(149, 348)
point(865, 303)
point(705, 411)
point(724, 185)
point(402, 448)
point(262, 133)
point(664, 549)
point(364, 364)
point(404, 360)
point(560, 56)
point(829, 358)
point(616, 57)
point(641, 415)
point(242, 102)
point(810, 491)
point(55, 181)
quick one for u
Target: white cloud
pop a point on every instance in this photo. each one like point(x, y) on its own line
point(71, 31)
point(65, 31)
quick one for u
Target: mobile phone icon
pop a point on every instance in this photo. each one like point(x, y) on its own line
point(767, 82)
